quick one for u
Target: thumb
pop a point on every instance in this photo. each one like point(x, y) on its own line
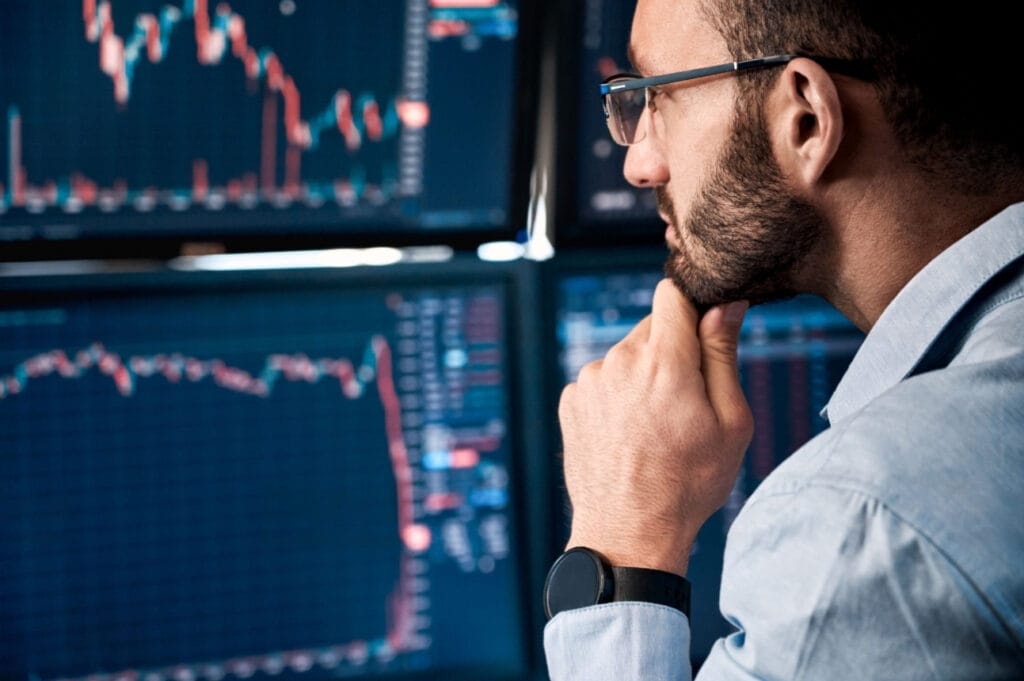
point(719, 334)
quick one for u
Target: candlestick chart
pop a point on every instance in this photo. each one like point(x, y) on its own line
point(210, 486)
point(186, 117)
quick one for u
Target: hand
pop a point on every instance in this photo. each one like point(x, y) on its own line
point(654, 434)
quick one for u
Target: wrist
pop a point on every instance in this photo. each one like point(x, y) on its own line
point(673, 558)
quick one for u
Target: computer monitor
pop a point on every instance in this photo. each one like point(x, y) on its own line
point(146, 125)
point(596, 205)
point(791, 356)
point(217, 476)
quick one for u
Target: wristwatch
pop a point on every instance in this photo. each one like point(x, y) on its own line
point(581, 576)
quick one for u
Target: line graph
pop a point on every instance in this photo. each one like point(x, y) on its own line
point(375, 368)
point(176, 367)
point(284, 502)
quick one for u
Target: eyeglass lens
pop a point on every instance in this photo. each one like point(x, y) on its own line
point(625, 110)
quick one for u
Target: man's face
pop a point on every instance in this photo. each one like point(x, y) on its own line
point(735, 230)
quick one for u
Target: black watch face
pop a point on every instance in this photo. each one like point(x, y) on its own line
point(577, 579)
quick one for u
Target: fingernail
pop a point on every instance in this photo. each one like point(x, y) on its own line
point(734, 312)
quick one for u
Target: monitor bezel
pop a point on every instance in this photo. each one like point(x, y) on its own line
point(522, 332)
point(163, 244)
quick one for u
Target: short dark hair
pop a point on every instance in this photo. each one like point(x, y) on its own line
point(945, 76)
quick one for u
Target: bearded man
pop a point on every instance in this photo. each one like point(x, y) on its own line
point(870, 153)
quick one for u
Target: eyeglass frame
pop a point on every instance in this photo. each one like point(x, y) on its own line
point(623, 82)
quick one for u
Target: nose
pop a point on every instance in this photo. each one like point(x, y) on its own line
point(645, 164)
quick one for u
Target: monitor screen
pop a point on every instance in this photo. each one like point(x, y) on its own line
point(791, 355)
point(599, 205)
point(210, 477)
point(198, 120)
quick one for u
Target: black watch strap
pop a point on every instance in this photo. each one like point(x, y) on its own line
point(651, 586)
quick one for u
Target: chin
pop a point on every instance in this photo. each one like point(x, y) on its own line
point(705, 290)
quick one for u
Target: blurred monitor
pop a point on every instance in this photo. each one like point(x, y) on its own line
point(218, 476)
point(143, 124)
point(596, 204)
point(791, 355)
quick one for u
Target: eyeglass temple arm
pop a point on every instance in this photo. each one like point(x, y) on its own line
point(654, 81)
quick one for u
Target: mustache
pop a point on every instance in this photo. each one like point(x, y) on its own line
point(664, 202)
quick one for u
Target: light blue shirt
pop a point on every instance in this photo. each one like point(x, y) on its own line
point(891, 546)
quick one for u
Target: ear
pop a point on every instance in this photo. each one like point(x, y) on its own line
point(805, 120)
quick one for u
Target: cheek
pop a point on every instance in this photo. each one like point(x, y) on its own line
point(689, 167)
point(694, 144)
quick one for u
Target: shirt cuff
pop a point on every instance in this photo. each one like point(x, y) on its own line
point(620, 641)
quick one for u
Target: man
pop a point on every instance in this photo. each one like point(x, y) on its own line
point(869, 153)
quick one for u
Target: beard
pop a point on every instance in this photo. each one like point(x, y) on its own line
point(747, 235)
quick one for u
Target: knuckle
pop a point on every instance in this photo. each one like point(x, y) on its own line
point(739, 423)
point(620, 353)
point(724, 350)
point(566, 399)
point(589, 373)
point(665, 287)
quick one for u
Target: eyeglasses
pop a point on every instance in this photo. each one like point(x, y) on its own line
point(625, 96)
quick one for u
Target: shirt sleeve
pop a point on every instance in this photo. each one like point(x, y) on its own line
point(827, 582)
point(820, 583)
point(618, 641)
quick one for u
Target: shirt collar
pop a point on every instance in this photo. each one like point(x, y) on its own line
point(918, 314)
